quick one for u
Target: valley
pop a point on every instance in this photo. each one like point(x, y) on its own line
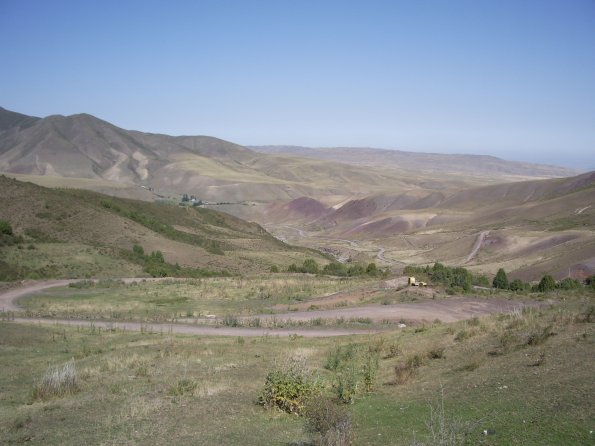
point(173, 278)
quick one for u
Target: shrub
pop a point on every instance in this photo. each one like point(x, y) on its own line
point(274, 269)
point(56, 381)
point(517, 285)
point(462, 335)
point(310, 266)
point(356, 368)
point(289, 386)
point(568, 284)
point(330, 421)
point(404, 373)
point(539, 337)
point(586, 315)
point(183, 387)
point(436, 353)
point(5, 227)
point(371, 269)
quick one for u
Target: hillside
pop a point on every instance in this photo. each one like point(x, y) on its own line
point(472, 165)
point(63, 225)
point(529, 227)
point(85, 151)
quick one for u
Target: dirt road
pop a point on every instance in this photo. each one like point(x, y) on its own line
point(201, 330)
point(447, 310)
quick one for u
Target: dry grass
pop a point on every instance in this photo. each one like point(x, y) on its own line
point(56, 381)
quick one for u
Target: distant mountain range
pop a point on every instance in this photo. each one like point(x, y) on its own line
point(475, 165)
point(107, 158)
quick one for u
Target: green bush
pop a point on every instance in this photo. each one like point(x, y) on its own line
point(5, 227)
point(356, 368)
point(289, 386)
point(568, 284)
point(517, 285)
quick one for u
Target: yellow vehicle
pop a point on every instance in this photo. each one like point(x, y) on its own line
point(413, 282)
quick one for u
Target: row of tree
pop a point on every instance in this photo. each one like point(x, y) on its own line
point(462, 278)
point(547, 283)
point(310, 266)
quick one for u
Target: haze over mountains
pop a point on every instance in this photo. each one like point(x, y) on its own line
point(85, 147)
point(400, 207)
point(475, 165)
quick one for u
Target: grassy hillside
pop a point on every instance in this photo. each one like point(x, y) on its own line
point(60, 225)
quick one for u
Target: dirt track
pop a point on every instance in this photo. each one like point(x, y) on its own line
point(480, 238)
point(448, 310)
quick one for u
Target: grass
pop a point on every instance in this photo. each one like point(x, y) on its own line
point(222, 296)
point(155, 388)
point(67, 260)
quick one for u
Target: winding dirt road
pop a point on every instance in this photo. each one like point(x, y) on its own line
point(448, 310)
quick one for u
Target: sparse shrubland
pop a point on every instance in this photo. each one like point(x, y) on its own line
point(155, 265)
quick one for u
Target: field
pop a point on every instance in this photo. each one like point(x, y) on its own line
point(169, 299)
point(522, 378)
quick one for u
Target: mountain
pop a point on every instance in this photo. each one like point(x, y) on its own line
point(16, 121)
point(86, 152)
point(472, 165)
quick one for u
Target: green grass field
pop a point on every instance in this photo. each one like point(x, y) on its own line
point(524, 378)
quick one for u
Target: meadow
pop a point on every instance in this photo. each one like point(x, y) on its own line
point(192, 298)
point(520, 378)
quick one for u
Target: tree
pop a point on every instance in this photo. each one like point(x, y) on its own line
point(547, 283)
point(501, 280)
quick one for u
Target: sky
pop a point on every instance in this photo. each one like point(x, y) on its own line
point(514, 79)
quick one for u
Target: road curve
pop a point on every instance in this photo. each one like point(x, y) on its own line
point(8, 303)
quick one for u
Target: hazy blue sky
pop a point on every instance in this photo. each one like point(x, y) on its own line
point(514, 79)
